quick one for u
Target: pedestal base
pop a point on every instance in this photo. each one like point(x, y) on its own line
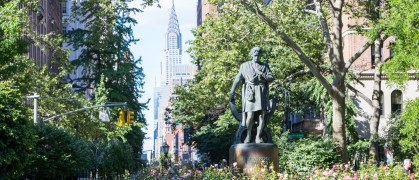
point(247, 156)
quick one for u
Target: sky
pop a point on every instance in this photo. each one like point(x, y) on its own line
point(151, 29)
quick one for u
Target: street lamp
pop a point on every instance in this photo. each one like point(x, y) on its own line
point(165, 150)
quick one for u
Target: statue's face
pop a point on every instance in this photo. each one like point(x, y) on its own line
point(256, 54)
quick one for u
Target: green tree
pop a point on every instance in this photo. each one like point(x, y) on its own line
point(402, 22)
point(410, 141)
point(15, 36)
point(105, 49)
point(203, 104)
point(59, 153)
point(17, 142)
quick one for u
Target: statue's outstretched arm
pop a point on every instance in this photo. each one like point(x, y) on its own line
point(235, 84)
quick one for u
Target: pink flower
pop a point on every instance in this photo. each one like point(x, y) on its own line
point(185, 175)
point(413, 176)
point(385, 168)
point(366, 177)
point(346, 178)
point(234, 164)
point(224, 160)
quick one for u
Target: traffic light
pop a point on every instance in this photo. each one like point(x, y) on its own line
point(130, 117)
point(121, 118)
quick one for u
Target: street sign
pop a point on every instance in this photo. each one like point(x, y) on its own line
point(104, 115)
point(292, 136)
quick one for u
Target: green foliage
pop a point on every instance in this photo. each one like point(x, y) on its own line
point(58, 153)
point(222, 172)
point(109, 158)
point(15, 37)
point(306, 153)
point(135, 138)
point(324, 103)
point(359, 150)
point(15, 133)
point(104, 44)
point(162, 158)
point(12, 43)
point(214, 146)
point(117, 157)
point(402, 22)
point(224, 45)
point(410, 139)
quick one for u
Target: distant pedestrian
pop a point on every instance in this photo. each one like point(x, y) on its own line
point(407, 166)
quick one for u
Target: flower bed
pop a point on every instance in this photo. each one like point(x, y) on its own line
point(222, 171)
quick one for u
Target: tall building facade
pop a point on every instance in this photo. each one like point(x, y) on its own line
point(174, 73)
point(47, 20)
point(69, 25)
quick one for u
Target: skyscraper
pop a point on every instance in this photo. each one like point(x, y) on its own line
point(174, 73)
point(173, 48)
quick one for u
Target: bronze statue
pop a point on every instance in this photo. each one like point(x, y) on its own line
point(255, 77)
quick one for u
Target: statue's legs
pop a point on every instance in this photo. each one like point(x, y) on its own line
point(249, 125)
point(261, 118)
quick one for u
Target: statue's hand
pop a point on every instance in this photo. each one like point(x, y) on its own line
point(231, 97)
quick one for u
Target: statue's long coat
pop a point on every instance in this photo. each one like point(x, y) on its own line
point(256, 76)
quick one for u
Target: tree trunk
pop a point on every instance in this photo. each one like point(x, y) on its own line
point(338, 90)
point(376, 96)
point(338, 125)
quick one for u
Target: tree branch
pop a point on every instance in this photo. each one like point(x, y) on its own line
point(289, 42)
point(325, 29)
point(357, 54)
point(303, 71)
point(360, 51)
point(360, 94)
point(310, 11)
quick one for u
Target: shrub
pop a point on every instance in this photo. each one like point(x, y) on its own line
point(16, 140)
point(306, 153)
point(58, 153)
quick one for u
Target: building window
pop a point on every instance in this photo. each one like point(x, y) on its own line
point(391, 49)
point(372, 55)
point(381, 103)
point(64, 7)
point(396, 101)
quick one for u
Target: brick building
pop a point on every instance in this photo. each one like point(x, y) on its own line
point(48, 19)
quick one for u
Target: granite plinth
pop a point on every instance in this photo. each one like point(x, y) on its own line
point(249, 155)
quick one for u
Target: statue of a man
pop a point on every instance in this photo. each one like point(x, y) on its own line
point(256, 77)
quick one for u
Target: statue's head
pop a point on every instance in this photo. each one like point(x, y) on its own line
point(256, 52)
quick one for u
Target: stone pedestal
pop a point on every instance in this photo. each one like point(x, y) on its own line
point(249, 155)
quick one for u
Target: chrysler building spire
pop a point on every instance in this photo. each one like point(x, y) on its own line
point(173, 47)
point(173, 36)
